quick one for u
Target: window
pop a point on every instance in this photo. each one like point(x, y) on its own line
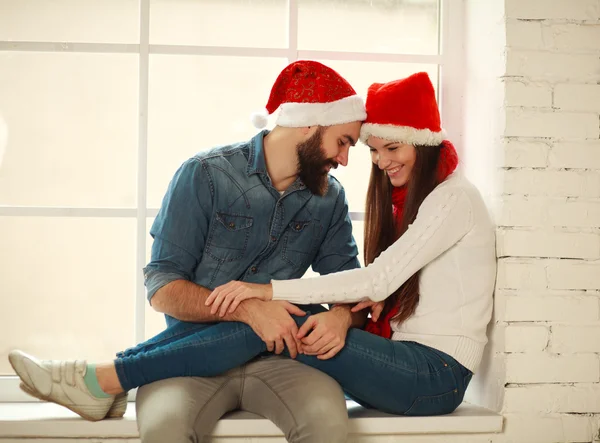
point(105, 98)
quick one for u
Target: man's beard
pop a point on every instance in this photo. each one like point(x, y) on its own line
point(312, 164)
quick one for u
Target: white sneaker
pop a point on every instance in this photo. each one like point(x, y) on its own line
point(60, 382)
point(117, 410)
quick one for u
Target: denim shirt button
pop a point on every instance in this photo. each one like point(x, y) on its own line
point(232, 225)
point(273, 238)
point(254, 269)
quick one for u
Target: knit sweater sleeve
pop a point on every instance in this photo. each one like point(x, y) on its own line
point(444, 217)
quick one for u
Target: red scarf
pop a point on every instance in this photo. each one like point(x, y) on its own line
point(446, 165)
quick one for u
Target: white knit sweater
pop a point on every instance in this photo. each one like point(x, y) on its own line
point(452, 242)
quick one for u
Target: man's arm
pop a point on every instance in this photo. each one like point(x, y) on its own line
point(271, 320)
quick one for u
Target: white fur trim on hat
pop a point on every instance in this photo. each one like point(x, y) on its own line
point(403, 134)
point(346, 110)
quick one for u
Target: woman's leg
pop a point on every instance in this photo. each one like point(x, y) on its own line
point(186, 349)
point(204, 352)
point(397, 377)
point(171, 333)
point(394, 376)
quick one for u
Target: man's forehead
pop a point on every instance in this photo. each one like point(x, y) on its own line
point(349, 133)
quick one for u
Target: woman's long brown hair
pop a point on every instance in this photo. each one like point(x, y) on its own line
point(381, 230)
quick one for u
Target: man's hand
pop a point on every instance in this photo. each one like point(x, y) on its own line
point(324, 334)
point(273, 324)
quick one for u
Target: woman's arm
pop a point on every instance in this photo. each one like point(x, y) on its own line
point(443, 219)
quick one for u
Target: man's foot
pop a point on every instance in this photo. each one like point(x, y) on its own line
point(60, 382)
point(117, 410)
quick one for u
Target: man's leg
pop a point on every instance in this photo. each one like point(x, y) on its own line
point(306, 404)
point(185, 409)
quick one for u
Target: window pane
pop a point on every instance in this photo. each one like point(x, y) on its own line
point(245, 23)
point(355, 177)
point(67, 287)
point(383, 26)
point(89, 21)
point(192, 108)
point(72, 120)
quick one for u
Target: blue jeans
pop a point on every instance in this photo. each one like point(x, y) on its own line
point(398, 377)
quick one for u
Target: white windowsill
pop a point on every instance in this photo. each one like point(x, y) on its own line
point(48, 420)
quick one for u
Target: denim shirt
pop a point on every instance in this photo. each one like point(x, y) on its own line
point(221, 220)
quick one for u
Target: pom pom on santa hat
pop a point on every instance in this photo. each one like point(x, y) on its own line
point(308, 93)
point(404, 111)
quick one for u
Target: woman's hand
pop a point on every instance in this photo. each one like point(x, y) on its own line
point(376, 308)
point(230, 295)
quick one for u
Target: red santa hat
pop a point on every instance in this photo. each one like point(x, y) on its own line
point(309, 93)
point(403, 111)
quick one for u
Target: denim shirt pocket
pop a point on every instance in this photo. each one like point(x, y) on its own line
point(228, 237)
point(299, 241)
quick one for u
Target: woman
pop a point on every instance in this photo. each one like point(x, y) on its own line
point(429, 243)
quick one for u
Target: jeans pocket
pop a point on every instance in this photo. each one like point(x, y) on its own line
point(434, 404)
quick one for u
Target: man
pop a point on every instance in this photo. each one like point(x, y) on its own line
point(256, 211)
point(253, 211)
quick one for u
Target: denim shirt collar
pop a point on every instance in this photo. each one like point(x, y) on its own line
point(256, 157)
point(257, 164)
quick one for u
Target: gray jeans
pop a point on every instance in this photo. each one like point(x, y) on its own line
point(306, 404)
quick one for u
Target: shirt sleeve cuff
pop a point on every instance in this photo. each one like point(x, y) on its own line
point(154, 280)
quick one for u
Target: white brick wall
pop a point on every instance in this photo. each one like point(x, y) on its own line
point(575, 339)
point(548, 243)
point(534, 154)
point(552, 398)
point(570, 309)
point(549, 66)
point(567, 155)
point(548, 123)
point(549, 224)
point(526, 338)
point(553, 9)
point(572, 37)
point(544, 367)
point(528, 94)
point(578, 97)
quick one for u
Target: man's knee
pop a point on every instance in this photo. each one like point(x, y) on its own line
point(323, 416)
point(324, 420)
point(167, 427)
point(160, 420)
point(184, 409)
